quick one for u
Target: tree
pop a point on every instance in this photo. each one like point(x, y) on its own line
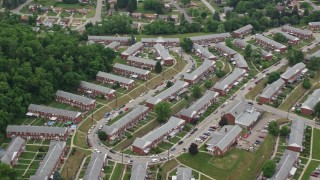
point(269, 167)
point(273, 128)
point(216, 16)
point(306, 84)
point(284, 131)
point(130, 6)
point(221, 29)
point(153, 5)
point(122, 3)
point(193, 148)
point(306, 12)
point(163, 111)
point(57, 175)
point(223, 122)
point(208, 84)
point(185, 2)
point(158, 67)
point(7, 173)
point(248, 51)
point(273, 76)
point(220, 73)
point(187, 45)
point(132, 40)
point(102, 135)
point(204, 15)
point(196, 91)
point(280, 38)
point(169, 84)
point(295, 56)
point(314, 64)
point(317, 109)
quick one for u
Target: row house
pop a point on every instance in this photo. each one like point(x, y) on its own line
point(82, 102)
point(183, 173)
point(54, 113)
point(52, 160)
point(136, 15)
point(240, 61)
point(172, 92)
point(242, 44)
point(133, 117)
point(143, 145)
point(37, 132)
point(11, 155)
point(167, 42)
point(301, 33)
point(221, 141)
point(150, 16)
point(132, 50)
point(315, 54)
point(241, 113)
point(192, 113)
point(163, 17)
point(288, 161)
point(95, 167)
point(164, 54)
point(293, 73)
point(307, 108)
point(208, 39)
point(195, 76)
point(241, 32)
point(113, 79)
point(314, 26)
point(96, 90)
point(269, 43)
point(224, 86)
point(225, 50)
point(141, 62)
point(125, 70)
point(203, 52)
point(114, 45)
point(270, 91)
point(139, 170)
point(295, 142)
point(291, 39)
point(124, 41)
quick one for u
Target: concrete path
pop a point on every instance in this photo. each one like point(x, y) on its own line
point(310, 157)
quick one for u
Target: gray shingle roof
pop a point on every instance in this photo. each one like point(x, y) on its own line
point(270, 41)
point(147, 139)
point(243, 29)
point(108, 38)
point(314, 23)
point(132, 49)
point(13, 148)
point(204, 51)
point(196, 106)
point(293, 71)
point(131, 69)
point(54, 111)
point(113, 45)
point(296, 134)
point(77, 98)
point(312, 100)
point(163, 52)
point(297, 30)
point(47, 165)
point(222, 139)
point(225, 48)
point(184, 173)
point(137, 111)
point(288, 36)
point(315, 54)
point(34, 177)
point(96, 87)
point(116, 78)
point(95, 166)
point(271, 89)
point(243, 43)
point(160, 40)
point(211, 36)
point(139, 170)
point(240, 61)
point(142, 60)
point(285, 165)
point(168, 92)
point(205, 66)
point(231, 78)
point(36, 129)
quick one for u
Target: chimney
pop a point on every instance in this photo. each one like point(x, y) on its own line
point(225, 130)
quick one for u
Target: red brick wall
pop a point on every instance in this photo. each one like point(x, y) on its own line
point(306, 111)
point(263, 100)
point(296, 149)
point(230, 118)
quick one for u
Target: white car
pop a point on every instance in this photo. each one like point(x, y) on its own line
point(89, 132)
point(95, 150)
point(152, 155)
point(132, 100)
point(154, 160)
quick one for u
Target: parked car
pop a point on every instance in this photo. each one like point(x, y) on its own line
point(112, 151)
point(180, 142)
point(120, 112)
point(109, 157)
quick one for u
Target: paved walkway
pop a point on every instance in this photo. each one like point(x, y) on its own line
point(310, 156)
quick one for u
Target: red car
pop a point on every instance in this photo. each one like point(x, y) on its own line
point(126, 109)
point(249, 88)
point(245, 136)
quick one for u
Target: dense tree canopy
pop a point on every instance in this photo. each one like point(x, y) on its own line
point(306, 84)
point(196, 91)
point(280, 38)
point(284, 131)
point(273, 76)
point(6, 173)
point(273, 128)
point(163, 111)
point(193, 148)
point(295, 56)
point(154, 5)
point(187, 45)
point(160, 27)
point(34, 67)
point(269, 167)
point(314, 64)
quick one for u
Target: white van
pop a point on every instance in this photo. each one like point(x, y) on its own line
point(154, 160)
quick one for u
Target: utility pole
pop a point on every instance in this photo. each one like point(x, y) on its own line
point(122, 155)
point(168, 155)
point(116, 100)
point(67, 173)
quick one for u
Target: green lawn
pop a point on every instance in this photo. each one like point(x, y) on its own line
point(117, 172)
point(312, 166)
point(256, 89)
point(27, 155)
point(294, 96)
point(165, 145)
point(80, 140)
point(166, 167)
point(316, 144)
point(237, 164)
point(174, 140)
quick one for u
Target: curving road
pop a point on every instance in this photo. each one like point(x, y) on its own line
point(181, 10)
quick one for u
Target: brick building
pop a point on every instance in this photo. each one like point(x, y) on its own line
point(113, 79)
point(293, 73)
point(95, 167)
point(96, 90)
point(208, 39)
point(82, 102)
point(241, 32)
point(301, 33)
point(203, 52)
point(270, 91)
point(124, 41)
point(224, 86)
point(307, 108)
point(11, 155)
point(291, 39)
point(132, 50)
point(225, 50)
point(164, 54)
point(202, 71)
point(288, 161)
point(167, 42)
point(296, 138)
point(141, 62)
point(242, 44)
point(314, 26)
point(130, 71)
point(269, 43)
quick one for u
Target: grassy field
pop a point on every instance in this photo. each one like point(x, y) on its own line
point(312, 166)
point(80, 140)
point(136, 92)
point(166, 167)
point(237, 164)
point(298, 92)
point(117, 172)
point(316, 144)
point(256, 89)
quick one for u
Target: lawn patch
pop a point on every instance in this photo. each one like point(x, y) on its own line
point(27, 155)
point(316, 144)
point(117, 172)
point(165, 145)
point(298, 92)
point(312, 166)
